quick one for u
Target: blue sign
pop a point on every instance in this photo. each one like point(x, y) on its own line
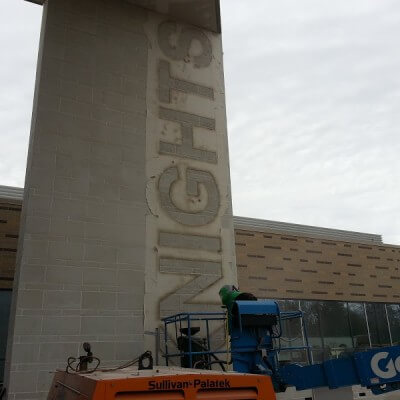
point(379, 366)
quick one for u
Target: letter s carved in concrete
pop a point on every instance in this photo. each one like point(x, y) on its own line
point(194, 178)
point(181, 50)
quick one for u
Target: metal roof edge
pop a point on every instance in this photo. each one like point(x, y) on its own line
point(11, 193)
point(38, 2)
point(287, 228)
point(216, 28)
point(255, 224)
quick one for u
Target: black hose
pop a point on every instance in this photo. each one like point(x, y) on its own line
point(217, 360)
point(71, 368)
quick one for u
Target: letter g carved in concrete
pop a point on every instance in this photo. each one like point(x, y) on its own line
point(194, 178)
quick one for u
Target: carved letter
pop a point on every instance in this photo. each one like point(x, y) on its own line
point(206, 273)
point(194, 179)
point(186, 241)
point(186, 149)
point(168, 83)
point(181, 49)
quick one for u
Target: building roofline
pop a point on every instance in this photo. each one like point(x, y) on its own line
point(255, 224)
point(208, 16)
point(11, 193)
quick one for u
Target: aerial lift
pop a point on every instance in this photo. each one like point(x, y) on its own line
point(255, 329)
point(255, 326)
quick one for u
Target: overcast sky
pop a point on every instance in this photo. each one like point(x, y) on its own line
point(313, 102)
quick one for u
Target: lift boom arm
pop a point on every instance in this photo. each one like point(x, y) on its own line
point(255, 328)
point(255, 335)
point(376, 369)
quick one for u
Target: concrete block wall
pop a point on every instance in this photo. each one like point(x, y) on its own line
point(127, 211)
point(80, 273)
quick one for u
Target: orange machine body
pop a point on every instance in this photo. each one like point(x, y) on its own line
point(160, 383)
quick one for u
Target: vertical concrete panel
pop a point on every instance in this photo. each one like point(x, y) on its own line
point(80, 273)
point(189, 228)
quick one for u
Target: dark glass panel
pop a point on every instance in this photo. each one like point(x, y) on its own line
point(292, 336)
point(335, 328)
point(311, 310)
point(318, 355)
point(5, 303)
point(378, 327)
point(358, 324)
point(394, 322)
point(291, 329)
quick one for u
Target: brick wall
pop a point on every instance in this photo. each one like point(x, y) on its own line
point(274, 265)
point(277, 266)
point(9, 227)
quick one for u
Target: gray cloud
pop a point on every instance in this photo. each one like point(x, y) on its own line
point(19, 39)
point(313, 95)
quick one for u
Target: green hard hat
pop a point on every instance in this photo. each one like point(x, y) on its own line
point(228, 294)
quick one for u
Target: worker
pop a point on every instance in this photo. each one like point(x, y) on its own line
point(229, 294)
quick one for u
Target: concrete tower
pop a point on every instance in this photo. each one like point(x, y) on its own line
point(127, 206)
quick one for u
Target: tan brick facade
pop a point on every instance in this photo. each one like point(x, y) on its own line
point(9, 227)
point(275, 265)
point(272, 265)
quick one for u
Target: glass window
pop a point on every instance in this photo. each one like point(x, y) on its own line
point(335, 328)
point(292, 335)
point(377, 323)
point(358, 325)
point(393, 311)
point(288, 305)
point(5, 303)
point(291, 329)
point(311, 310)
